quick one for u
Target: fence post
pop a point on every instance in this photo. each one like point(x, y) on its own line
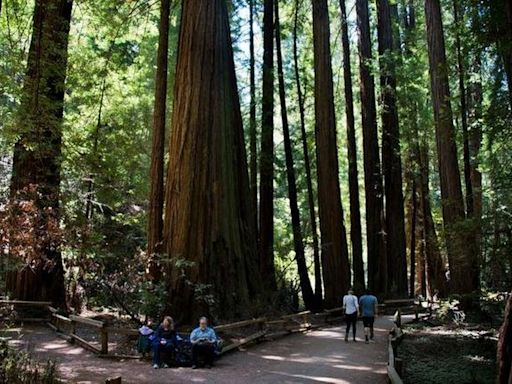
point(104, 340)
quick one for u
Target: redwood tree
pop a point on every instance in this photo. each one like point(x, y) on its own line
point(266, 212)
point(464, 269)
point(391, 160)
point(156, 194)
point(307, 163)
point(36, 169)
point(208, 232)
point(305, 284)
point(355, 214)
point(336, 270)
point(377, 262)
point(253, 150)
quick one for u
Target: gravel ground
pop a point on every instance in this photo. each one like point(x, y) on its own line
point(319, 356)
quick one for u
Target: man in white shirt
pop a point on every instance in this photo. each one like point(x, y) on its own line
point(351, 310)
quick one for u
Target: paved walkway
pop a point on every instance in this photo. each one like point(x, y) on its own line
point(319, 356)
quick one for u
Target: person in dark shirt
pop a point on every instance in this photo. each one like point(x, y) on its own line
point(164, 341)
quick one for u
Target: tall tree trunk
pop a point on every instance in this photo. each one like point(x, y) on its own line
point(336, 269)
point(463, 108)
point(208, 230)
point(307, 163)
point(156, 177)
point(435, 276)
point(253, 150)
point(463, 266)
point(89, 210)
point(305, 284)
point(412, 246)
point(377, 260)
point(355, 213)
point(266, 228)
point(37, 155)
point(391, 160)
point(505, 347)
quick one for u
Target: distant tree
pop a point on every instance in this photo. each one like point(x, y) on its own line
point(36, 172)
point(156, 178)
point(253, 147)
point(376, 249)
point(464, 269)
point(355, 214)
point(208, 232)
point(307, 291)
point(307, 162)
point(266, 211)
point(336, 269)
point(391, 158)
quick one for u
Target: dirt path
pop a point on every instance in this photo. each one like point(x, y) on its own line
point(316, 357)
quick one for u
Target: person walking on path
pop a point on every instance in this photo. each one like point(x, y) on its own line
point(369, 307)
point(351, 310)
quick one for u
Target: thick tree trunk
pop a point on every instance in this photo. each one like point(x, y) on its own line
point(377, 259)
point(208, 232)
point(156, 177)
point(391, 160)
point(505, 347)
point(463, 264)
point(305, 285)
point(336, 270)
point(355, 213)
point(253, 151)
point(37, 156)
point(307, 163)
point(266, 228)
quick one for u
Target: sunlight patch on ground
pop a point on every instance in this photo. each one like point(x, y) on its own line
point(318, 379)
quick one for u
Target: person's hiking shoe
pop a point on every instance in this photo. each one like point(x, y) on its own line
point(366, 341)
point(346, 338)
point(165, 366)
point(355, 340)
point(194, 366)
point(155, 366)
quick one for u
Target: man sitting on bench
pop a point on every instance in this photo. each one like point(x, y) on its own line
point(204, 341)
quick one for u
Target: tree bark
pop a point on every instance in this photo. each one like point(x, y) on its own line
point(156, 177)
point(307, 292)
point(37, 154)
point(307, 163)
point(505, 347)
point(266, 228)
point(377, 259)
point(208, 232)
point(463, 266)
point(336, 270)
point(391, 159)
point(355, 213)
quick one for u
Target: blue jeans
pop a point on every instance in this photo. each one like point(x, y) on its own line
point(157, 348)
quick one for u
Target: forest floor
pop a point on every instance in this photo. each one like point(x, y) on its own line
point(437, 352)
point(319, 356)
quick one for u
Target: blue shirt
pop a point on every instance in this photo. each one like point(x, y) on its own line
point(367, 304)
point(207, 334)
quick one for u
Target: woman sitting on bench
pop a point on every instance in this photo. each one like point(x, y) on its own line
point(164, 342)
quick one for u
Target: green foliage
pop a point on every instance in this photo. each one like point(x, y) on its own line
point(18, 368)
